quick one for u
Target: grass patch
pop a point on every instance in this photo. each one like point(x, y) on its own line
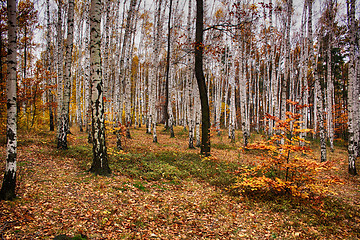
point(340, 143)
point(181, 132)
point(146, 166)
point(173, 167)
point(224, 146)
point(140, 186)
point(82, 153)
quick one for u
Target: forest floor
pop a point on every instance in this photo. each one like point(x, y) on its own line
point(162, 191)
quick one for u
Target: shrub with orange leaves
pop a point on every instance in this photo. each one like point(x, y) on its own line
point(287, 167)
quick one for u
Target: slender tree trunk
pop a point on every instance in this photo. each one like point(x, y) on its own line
point(232, 106)
point(25, 82)
point(25, 53)
point(243, 104)
point(320, 111)
point(60, 61)
point(7, 191)
point(272, 78)
point(78, 103)
point(155, 75)
point(303, 85)
point(125, 64)
point(319, 96)
point(199, 48)
point(48, 65)
point(330, 97)
point(106, 45)
point(64, 118)
point(351, 98)
point(100, 158)
point(330, 83)
point(284, 85)
point(197, 116)
point(166, 105)
point(87, 89)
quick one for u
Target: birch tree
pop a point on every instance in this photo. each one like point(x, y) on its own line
point(125, 64)
point(64, 118)
point(100, 158)
point(232, 106)
point(330, 82)
point(154, 77)
point(318, 93)
point(48, 65)
point(60, 62)
point(352, 145)
point(167, 70)
point(7, 191)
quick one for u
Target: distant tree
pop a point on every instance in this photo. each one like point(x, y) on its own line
point(27, 21)
point(48, 65)
point(60, 61)
point(7, 191)
point(318, 95)
point(330, 83)
point(166, 105)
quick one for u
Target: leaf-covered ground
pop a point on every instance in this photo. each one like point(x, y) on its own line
point(161, 191)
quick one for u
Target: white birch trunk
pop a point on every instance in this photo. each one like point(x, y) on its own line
point(318, 93)
point(48, 66)
point(60, 62)
point(156, 43)
point(64, 118)
point(87, 87)
point(273, 90)
point(78, 102)
point(304, 60)
point(100, 158)
point(7, 191)
point(330, 89)
point(232, 106)
point(351, 96)
point(243, 102)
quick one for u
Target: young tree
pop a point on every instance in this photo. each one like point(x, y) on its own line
point(7, 191)
point(100, 158)
point(199, 73)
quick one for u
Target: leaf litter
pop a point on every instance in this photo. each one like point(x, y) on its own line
point(56, 195)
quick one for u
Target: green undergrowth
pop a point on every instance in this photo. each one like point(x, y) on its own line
point(82, 153)
point(173, 166)
point(224, 146)
point(164, 165)
point(181, 132)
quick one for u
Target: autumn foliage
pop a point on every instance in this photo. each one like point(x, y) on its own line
point(287, 167)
